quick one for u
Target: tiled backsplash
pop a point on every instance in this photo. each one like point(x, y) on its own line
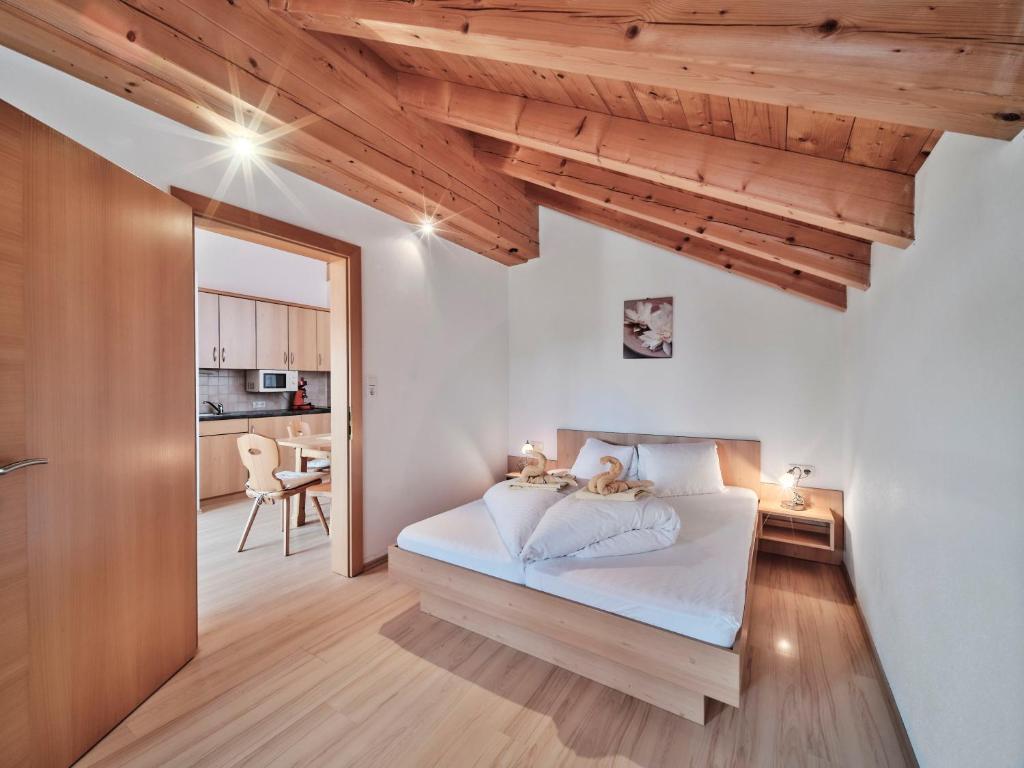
point(228, 387)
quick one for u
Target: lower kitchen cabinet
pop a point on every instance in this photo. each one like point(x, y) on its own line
point(220, 467)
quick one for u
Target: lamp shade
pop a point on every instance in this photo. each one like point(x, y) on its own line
point(788, 480)
point(527, 447)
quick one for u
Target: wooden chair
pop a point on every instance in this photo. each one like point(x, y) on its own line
point(302, 429)
point(266, 483)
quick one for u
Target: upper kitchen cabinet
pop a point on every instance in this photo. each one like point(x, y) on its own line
point(237, 332)
point(271, 335)
point(302, 339)
point(226, 332)
point(208, 331)
point(323, 341)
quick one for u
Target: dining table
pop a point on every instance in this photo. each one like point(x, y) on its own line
point(306, 447)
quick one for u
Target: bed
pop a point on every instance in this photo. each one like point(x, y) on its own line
point(668, 627)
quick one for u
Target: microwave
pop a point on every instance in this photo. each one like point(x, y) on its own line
point(271, 381)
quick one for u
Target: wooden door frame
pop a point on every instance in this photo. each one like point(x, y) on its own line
point(226, 219)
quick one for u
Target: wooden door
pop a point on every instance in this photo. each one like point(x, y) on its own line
point(347, 533)
point(271, 335)
point(208, 331)
point(98, 547)
point(301, 339)
point(323, 341)
point(237, 332)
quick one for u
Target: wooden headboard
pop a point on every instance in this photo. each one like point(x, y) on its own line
point(740, 459)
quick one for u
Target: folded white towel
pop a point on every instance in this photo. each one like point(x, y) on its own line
point(633, 494)
point(539, 486)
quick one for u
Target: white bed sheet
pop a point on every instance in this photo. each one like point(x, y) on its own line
point(464, 536)
point(696, 587)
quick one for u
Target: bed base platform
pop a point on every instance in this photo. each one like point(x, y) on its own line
point(670, 671)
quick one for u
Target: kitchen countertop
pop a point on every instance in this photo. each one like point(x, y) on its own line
point(259, 413)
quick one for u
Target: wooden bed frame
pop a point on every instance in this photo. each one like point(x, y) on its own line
point(671, 671)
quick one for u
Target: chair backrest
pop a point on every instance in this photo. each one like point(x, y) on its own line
point(261, 458)
point(299, 429)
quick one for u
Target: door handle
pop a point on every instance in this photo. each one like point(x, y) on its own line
point(286, 358)
point(15, 466)
point(215, 354)
point(223, 354)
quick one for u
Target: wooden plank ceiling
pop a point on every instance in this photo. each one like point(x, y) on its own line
point(772, 140)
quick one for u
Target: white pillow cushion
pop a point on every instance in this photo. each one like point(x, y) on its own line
point(681, 469)
point(588, 462)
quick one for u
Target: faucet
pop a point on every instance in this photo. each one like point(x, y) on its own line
point(218, 408)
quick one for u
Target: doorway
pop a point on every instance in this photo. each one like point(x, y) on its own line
point(344, 349)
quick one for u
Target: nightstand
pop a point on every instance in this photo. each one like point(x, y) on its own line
point(814, 533)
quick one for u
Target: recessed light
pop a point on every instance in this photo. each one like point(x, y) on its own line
point(243, 147)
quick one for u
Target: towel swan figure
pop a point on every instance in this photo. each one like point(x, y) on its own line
point(608, 483)
point(536, 472)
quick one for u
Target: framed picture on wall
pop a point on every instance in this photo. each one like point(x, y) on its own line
point(647, 328)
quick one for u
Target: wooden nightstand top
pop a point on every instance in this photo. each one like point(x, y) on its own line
point(818, 514)
point(815, 533)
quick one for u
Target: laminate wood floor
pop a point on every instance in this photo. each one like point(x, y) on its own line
point(300, 667)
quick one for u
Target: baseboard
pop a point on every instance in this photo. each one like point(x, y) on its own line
point(377, 561)
point(908, 749)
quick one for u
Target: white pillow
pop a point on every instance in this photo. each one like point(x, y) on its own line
point(681, 469)
point(588, 462)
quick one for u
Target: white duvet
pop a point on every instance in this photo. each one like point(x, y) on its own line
point(587, 527)
point(517, 511)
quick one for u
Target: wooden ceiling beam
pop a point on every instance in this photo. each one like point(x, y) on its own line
point(174, 58)
point(847, 261)
point(952, 66)
point(865, 203)
point(816, 289)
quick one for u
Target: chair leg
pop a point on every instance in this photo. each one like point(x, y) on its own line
point(285, 515)
point(320, 513)
point(248, 523)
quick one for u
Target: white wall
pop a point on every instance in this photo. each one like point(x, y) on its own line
point(748, 361)
point(434, 316)
point(228, 264)
point(934, 434)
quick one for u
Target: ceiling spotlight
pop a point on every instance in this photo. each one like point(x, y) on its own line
point(427, 226)
point(243, 147)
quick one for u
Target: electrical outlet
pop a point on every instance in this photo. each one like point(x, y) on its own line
point(259, 404)
point(371, 385)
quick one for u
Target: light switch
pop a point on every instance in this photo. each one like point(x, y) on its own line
point(371, 385)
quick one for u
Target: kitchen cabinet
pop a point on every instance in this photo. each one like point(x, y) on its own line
point(271, 335)
point(323, 341)
point(301, 339)
point(237, 332)
point(226, 332)
point(243, 333)
point(220, 467)
point(208, 331)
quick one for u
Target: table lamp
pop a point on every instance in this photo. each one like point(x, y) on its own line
point(791, 480)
